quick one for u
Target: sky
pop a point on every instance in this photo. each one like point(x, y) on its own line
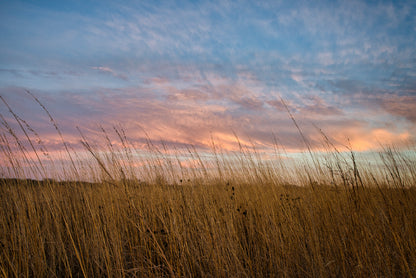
point(190, 72)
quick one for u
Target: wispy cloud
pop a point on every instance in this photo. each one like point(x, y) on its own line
point(110, 71)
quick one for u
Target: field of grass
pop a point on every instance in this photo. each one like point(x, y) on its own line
point(220, 229)
point(231, 216)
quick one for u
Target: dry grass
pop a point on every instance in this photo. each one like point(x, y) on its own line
point(220, 230)
point(231, 216)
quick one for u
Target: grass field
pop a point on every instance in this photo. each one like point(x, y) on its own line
point(330, 216)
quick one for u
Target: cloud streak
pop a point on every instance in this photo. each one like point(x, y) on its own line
point(110, 71)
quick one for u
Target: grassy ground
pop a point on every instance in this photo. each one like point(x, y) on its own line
point(220, 229)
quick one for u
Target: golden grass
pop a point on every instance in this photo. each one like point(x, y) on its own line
point(220, 230)
point(231, 216)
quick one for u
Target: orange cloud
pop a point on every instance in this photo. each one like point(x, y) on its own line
point(184, 114)
point(362, 140)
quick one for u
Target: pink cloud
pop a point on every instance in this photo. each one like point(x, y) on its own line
point(194, 113)
point(403, 106)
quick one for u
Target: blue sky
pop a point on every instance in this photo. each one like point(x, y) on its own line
point(188, 70)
